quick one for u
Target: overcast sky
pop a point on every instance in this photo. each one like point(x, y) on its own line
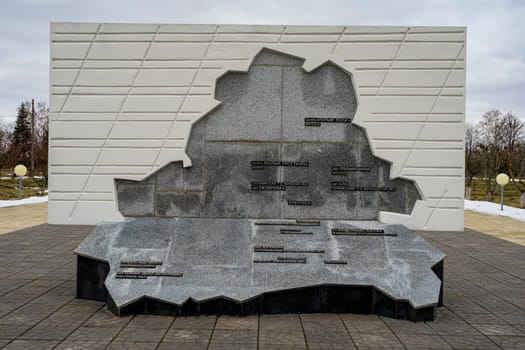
point(495, 35)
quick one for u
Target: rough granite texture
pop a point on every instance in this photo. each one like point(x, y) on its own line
point(262, 118)
point(207, 221)
point(216, 258)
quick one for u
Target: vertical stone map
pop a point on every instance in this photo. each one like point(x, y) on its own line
point(281, 145)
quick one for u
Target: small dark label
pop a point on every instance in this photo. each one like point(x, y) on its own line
point(260, 164)
point(296, 202)
point(303, 251)
point(144, 275)
point(344, 186)
point(267, 249)
point(275, 186)
point(336, 262)
point(289, 223)
point(344, 170)
point(290, 261)
point(318, 121)
point(361, 232)
point(294, 232)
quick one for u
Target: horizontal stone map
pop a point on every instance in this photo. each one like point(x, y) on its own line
point(277, 213)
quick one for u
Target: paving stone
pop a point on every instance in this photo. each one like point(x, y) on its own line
point(445, 329)
point(423, 341)
point(509, 342)
point(194, 322)
point(132, 334)
point(376, 340)
point(31, 344)
point(498, 329)
point(471, 342)
point(94, 333)
point(327, 337)
point(148, 321)
point(119, 345)
point(284, 337)
point(230, 336)
point(184, 346)
point(83, 345)
point(43, 331)
point(402, 326)
point(187, 336)
point(229, 322)
point(10, 332)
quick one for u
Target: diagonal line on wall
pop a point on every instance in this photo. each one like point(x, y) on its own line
point(338, 40)
point(78, 73)
point(416, 140)
point(283, 32)
point(392, 63)
point(131, 87)
point(197, 71)
point(434, 209)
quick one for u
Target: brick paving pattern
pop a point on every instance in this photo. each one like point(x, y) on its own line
point(484, 306)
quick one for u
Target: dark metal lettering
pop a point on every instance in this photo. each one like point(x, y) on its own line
point(361, 232)
point(296, 202)
point(313, 251)
point(140, 262)
point(297, 261)
point(275, 186)
point(336, 262)
point(268, 249)
point(288, 223)
point(344, 170)
point(344, 186)
point(295, 232)
point(260, 164)
point(143, 275)
point(318, 121)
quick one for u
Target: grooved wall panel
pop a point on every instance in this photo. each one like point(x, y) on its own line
point(124, 97)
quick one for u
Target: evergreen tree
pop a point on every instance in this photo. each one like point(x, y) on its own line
point(21, 141)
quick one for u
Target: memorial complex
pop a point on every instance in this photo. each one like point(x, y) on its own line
point(258, 169)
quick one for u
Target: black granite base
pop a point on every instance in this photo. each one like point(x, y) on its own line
point(318, 299)
point(91, 275)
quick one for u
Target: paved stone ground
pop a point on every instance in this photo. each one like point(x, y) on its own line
point(484, 297)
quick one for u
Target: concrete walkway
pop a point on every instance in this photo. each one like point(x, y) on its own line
point(484, 306)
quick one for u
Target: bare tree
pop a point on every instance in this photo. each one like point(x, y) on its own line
point(490, 148)
point(472, 141)
point(512, 133)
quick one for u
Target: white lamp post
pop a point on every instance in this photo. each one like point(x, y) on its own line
point(502, 179)
point(20, 171)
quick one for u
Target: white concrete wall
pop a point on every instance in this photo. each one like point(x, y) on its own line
point(124, 96)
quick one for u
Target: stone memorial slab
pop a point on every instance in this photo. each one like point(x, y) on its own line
point(278, 212)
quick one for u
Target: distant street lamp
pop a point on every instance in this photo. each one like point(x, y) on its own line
point(20, 171)
point(502, 179)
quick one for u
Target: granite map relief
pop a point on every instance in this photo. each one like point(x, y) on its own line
point(278, 211)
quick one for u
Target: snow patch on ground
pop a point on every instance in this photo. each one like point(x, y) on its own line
point(30, 200)
point(495, 209)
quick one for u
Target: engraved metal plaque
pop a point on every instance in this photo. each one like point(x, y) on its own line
point(344, 170)
point(275, 186)
point(319, 121)
point(336, 262)
point(344, 186)
point(360, 232)
point(288, 261)
point(296, 202)
point(294, 232)
point(139, 264)
point(260, 164)
point(144, 275)
point(289, 223)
